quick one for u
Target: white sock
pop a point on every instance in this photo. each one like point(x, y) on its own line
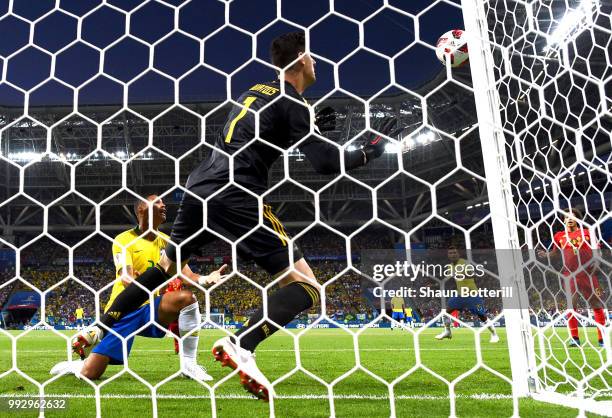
point(189, 319)
point(489, 324)
point(447, 324)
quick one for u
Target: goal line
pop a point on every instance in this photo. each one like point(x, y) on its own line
point(361, 396)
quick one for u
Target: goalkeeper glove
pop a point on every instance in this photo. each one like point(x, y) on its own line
point(325, 119)
point(375, 147)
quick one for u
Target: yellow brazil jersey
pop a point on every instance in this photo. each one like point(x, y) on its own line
point(408, 311)
point(463, 280)
point(397, 304)
point(140, 253)
point(79, 313)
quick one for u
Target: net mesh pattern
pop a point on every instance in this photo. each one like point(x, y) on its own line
point(121, 132)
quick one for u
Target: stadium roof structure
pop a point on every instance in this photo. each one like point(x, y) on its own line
point(430, 142)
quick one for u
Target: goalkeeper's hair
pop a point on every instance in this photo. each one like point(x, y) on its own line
point(285, 48)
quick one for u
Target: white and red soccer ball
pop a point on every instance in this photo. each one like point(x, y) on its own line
point(453, 46)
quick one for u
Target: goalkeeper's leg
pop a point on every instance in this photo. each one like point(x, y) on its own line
point(298, 293)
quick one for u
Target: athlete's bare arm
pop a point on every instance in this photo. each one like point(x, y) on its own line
point(170, 267)
point(129, 276)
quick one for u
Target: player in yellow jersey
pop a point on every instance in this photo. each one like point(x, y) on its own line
point(408, 316)
point(137, 253)
point(78, 314)
point(133, 253)
point(397, 310)
point(475, 305)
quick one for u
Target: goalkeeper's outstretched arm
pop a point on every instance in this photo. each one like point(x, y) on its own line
point(325, 157)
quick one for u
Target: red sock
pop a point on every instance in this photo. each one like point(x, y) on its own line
point(600, 317)
point(455, 314)
point(573, 325)
point(173, 328)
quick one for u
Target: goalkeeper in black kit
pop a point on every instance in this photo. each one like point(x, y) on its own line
point(284, 120)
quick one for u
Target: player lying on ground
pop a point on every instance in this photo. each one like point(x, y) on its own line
point(285, 120)
point(180, 306)
point(135, 254)
point(580, 278)
point(475, 305)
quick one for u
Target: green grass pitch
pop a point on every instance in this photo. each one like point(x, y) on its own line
point(326, 353)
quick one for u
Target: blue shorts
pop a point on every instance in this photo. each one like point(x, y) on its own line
point(408, 319)
point(79, 322)
point(473, 304)
point(111, 346)
point(397, 315)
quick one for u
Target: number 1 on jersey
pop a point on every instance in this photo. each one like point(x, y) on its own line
point(247, 103)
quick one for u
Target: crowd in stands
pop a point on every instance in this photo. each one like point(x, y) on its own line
point(236, 298)
point(44, 264)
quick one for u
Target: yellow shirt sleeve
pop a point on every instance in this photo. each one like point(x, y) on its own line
point(121, 258)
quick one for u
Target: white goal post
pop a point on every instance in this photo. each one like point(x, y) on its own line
point(503, 217)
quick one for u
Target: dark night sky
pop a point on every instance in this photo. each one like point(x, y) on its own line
point(332, 39)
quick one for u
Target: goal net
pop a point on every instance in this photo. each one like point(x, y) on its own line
point(492, 158)
point(545, 119)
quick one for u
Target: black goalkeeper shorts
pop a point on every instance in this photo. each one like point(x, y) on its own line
point(232, 215)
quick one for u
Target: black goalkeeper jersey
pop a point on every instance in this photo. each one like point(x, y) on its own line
point(283, 121)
